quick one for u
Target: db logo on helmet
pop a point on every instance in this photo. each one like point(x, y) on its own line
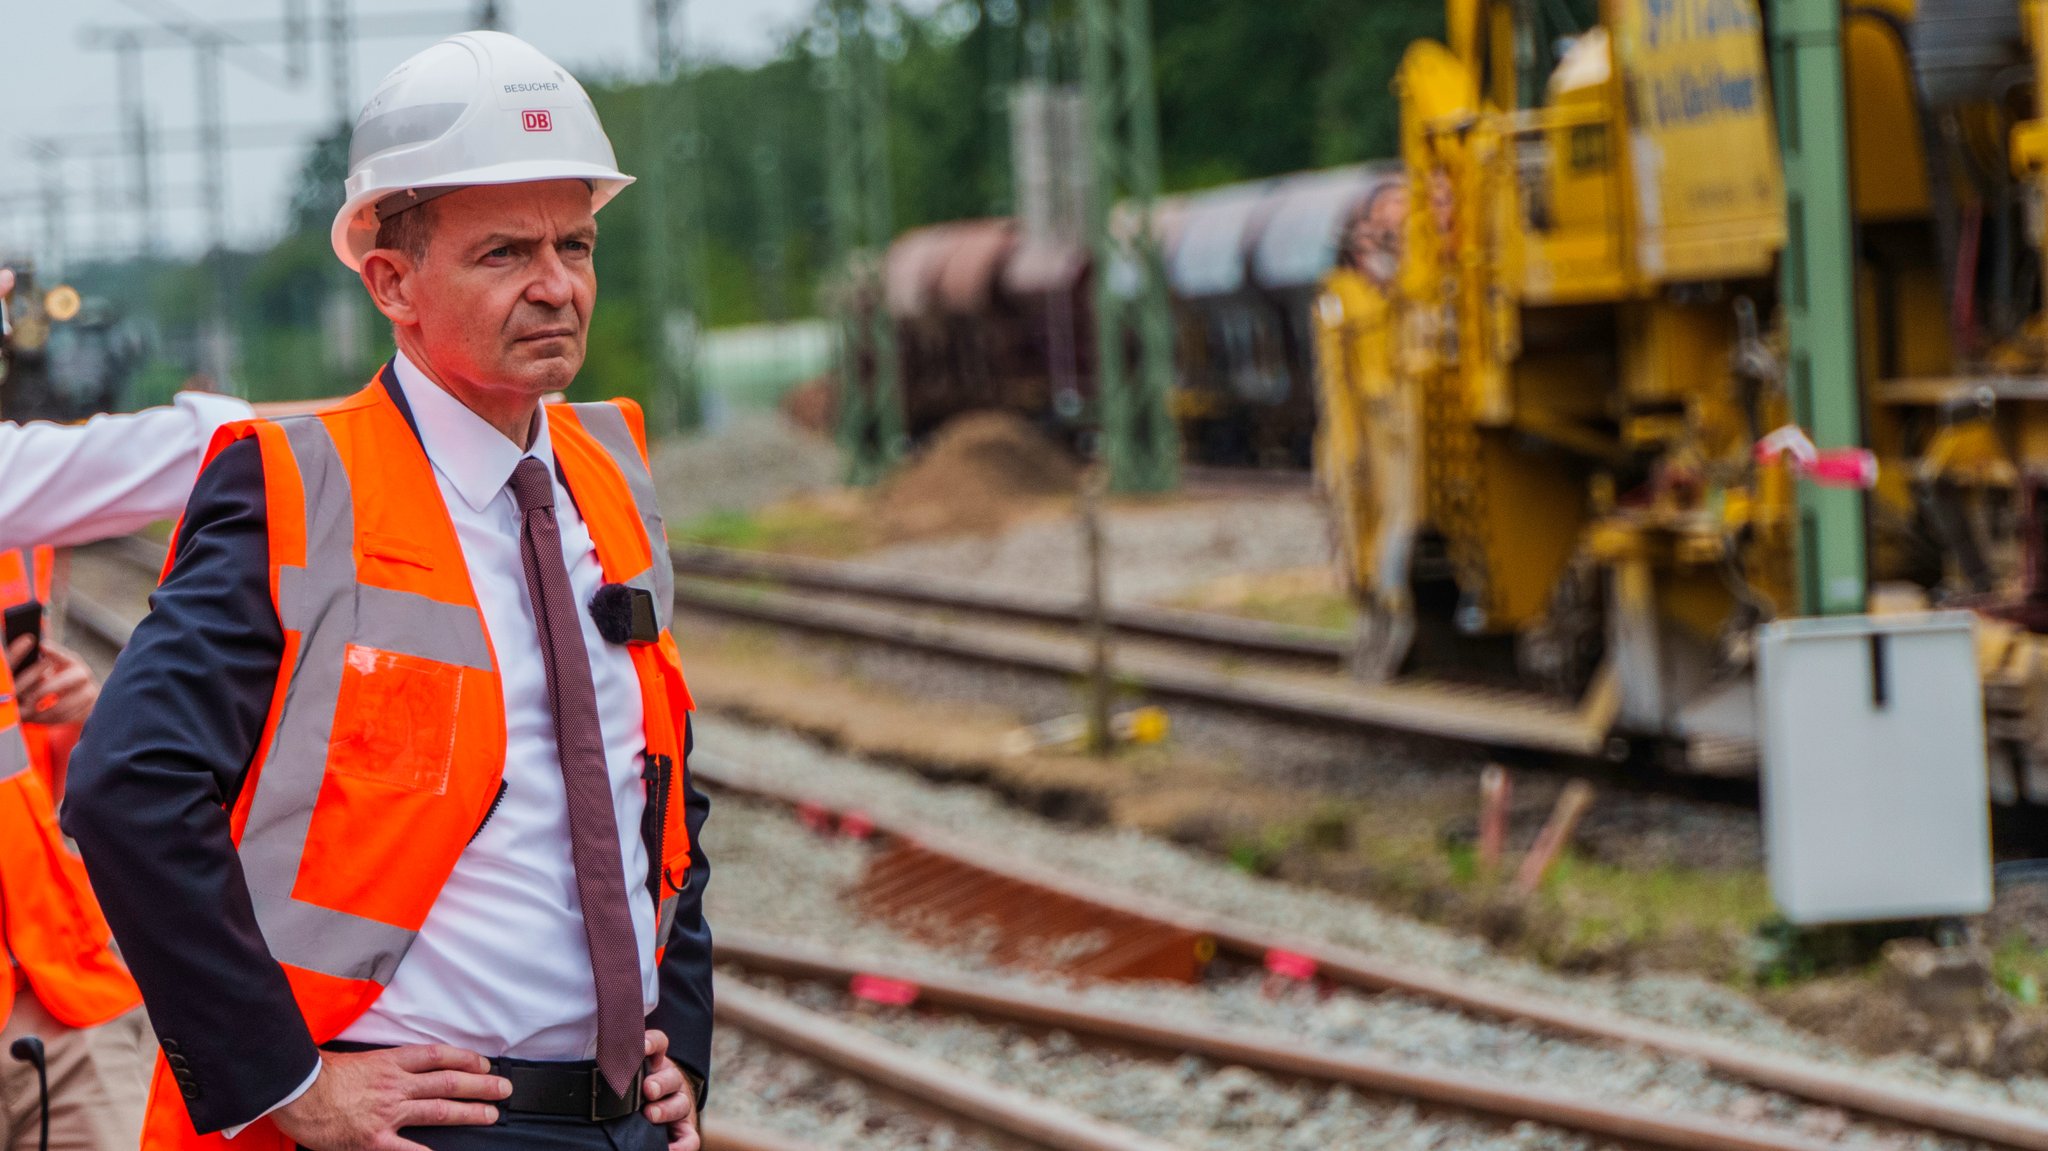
point(539, 121)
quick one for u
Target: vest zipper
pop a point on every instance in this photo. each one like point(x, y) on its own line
point(654, 821)
point(504, 785)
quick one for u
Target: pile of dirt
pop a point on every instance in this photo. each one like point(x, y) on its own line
point(979, 474)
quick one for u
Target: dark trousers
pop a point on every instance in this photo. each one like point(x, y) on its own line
point(520, 1132)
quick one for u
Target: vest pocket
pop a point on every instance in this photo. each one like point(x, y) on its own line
point(395, 720)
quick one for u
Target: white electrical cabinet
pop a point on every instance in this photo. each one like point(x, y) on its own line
point(1875, 785)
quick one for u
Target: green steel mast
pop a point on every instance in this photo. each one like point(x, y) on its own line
point(1820, 292)
point(871, 433)
point(1134, 328)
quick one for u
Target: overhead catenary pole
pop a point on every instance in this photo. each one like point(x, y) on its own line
point(50, 161)
point(135, 131)
point(1819, 293)
point(669, 127)
point(871, 427)
point(216, 353)
point(1134, 332)
point(341, 59)
point(235, 41)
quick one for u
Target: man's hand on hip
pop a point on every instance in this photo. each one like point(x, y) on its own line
point(670, 1101)
point(360, 1101)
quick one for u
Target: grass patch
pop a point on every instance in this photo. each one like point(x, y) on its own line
point(2020, 968)
point(1307, 598)
point(1662, 912)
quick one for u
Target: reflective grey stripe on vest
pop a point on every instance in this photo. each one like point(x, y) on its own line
point(607, 425)
point(325, 604)
point(13, 752)
point(665, 920)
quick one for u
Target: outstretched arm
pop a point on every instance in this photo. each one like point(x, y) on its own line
point(63, 484)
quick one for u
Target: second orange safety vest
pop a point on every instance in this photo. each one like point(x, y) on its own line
point(53, 926)
point(385, 743)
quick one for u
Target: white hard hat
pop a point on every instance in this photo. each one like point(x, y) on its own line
point(478, 108)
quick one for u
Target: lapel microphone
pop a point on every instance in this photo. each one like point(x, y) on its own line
point(624, 614)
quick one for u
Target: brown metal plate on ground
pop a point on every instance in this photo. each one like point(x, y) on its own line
point(934, 896)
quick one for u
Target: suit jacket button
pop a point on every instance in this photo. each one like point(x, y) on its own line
point(178, 1062)
point(170, 1046)
point(189, 1091)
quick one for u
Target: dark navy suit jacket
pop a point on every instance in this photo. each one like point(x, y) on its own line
point(150, 786)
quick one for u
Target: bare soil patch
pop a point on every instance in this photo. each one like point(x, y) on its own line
point(978, 475)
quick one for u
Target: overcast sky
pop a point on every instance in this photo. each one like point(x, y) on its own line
point(51, 86)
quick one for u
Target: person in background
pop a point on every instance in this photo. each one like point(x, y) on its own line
point(387, 800)
point(1368, 434)
point(60, 982)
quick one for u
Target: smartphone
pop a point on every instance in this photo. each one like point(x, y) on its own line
point(26, 619)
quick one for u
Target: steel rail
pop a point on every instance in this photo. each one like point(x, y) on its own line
point(1226, 633)
point(724, 1135)
point(1453, 712)
point(1040, 1122)
point(1272, 1053)
point(1459, 713)
point(1861, 1091)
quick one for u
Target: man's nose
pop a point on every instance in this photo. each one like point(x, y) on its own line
point(552, 286)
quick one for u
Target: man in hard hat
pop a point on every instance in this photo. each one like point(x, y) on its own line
point(59, 982)
point(386, 799)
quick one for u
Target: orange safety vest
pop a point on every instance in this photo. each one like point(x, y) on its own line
point(385, 742)
point(53, 928)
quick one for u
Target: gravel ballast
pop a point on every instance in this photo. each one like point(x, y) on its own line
point(779, 878)
point(758, 888)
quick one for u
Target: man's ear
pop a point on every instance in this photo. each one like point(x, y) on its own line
point(389, 275)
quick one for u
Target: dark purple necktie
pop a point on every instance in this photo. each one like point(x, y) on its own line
point(593, 823)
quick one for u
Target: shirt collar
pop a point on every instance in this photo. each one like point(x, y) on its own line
point(476, 457)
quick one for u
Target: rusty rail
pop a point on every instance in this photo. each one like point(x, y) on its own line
point(1274, 1054)
point(1226, 633)
point(1855, 1090)
point(720, 1135)
point(1472, 715)
point(1037, 1121)
point(1479, 716)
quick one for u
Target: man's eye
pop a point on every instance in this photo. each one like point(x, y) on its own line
point(502, 252)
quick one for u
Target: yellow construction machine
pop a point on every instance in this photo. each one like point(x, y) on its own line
point(1563, 429)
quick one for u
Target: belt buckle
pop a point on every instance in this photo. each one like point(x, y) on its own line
point(601, 1092)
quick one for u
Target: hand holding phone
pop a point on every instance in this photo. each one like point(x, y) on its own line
point(24, 619)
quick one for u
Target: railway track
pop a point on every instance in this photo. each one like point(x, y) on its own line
point(944, 880)
point(1243, 665)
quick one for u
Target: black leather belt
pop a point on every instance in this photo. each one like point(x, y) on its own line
point(573, 1090)
point(576, 1090)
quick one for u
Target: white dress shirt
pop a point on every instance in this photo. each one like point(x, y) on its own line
point(63, 484)
point(501, 965)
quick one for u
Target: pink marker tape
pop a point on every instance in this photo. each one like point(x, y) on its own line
point(1291, 965)
point(887, 992)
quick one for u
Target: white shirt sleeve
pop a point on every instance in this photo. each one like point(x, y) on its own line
point(237, 1129)
point(72, 484)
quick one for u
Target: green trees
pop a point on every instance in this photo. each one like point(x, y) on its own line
point(1247, 88)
